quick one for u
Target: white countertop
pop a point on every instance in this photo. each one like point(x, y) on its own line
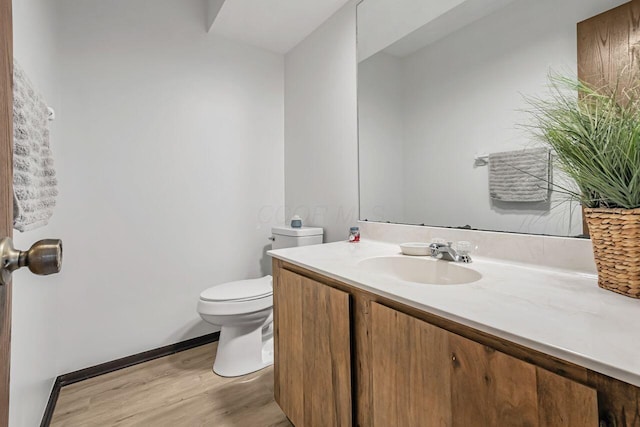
point(560, 313)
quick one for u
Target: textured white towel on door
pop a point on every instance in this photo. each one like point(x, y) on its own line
point(520, 176)
point(34, 178)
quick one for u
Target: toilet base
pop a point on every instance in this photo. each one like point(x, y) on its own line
point(244, 349)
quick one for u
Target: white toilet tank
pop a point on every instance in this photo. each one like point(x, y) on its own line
point(288, 237)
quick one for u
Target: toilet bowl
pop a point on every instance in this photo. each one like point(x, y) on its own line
point(244, 312)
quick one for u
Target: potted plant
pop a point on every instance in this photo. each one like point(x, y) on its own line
point(595, 137)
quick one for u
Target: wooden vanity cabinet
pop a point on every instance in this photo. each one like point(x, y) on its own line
point(426, 376)
point(312, 351)
point(345, 356)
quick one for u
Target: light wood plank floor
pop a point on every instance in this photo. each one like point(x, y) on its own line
point(176, 390)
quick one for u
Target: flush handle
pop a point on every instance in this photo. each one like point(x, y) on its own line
point(43, 258)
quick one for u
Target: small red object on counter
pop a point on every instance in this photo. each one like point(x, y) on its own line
point(354, 234)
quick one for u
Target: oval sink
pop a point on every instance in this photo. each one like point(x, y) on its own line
point(421, 270)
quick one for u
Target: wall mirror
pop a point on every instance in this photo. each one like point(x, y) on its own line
point(440, 88)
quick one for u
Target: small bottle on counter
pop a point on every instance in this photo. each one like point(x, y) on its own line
point(354, 234)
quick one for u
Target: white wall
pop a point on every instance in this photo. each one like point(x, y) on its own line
point(33, 343)
point(321, 155)
point(170, 160)
point(381, 129)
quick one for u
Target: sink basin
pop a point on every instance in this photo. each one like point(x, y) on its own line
point(421, 270)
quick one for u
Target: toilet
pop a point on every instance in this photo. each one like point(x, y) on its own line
point(244, 312)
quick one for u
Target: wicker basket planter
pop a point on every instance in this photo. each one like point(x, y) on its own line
point(615, 234)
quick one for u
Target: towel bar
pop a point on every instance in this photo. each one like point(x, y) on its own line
point(481, 160)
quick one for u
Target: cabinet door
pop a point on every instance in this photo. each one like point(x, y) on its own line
point(312, 351)
point(411, 382)
point(288, 354)
point(426, 376)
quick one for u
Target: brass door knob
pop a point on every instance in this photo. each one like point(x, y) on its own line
point(43, 258)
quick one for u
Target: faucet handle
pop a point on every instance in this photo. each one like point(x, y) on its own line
point(434, 247)
point(463, 247)
point(441, 243)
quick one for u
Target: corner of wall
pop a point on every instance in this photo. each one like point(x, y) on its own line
point(321, 135)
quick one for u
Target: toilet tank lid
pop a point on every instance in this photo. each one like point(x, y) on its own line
point(241, 290)
point(297, 232)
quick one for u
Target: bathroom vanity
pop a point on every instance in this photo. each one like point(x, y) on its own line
point(520, 346)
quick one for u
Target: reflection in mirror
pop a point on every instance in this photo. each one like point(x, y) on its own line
point(441, 103)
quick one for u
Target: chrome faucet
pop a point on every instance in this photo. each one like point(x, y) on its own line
point(446, 252)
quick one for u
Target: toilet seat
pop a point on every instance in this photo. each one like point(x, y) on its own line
point(240, 290)
point(239, 297)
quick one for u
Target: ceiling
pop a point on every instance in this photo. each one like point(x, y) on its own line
point(402, 27)
point(275, 25)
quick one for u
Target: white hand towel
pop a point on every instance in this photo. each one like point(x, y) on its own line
point(520, 176)
point(34, 178)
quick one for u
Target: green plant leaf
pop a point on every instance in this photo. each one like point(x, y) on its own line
point(595, 135)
